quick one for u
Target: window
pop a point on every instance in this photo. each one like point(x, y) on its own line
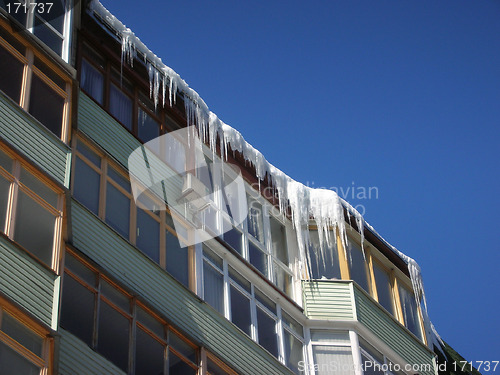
point(384, 286)
point(103, 187)
point(25, 347)
point(324, 260)
point(375, 363)
point(251, 310)
point(47, 23)
point(332, 353)
point(31, 209)
point(34, 84)
point(103, 316)
point(410, 310)
point(358, 265)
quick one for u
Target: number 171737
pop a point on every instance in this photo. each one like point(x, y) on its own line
point(40, 7)
point(485, 366)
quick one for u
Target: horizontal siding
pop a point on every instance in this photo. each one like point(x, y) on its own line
point(76, 358)
point(185, 311)
point(375, 318)
point(328, 300)
point(26, 282)
point(34, 140)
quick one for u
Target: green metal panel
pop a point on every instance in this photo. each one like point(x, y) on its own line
point(185, 310)
point(75, 357)
point(34, 140)
point(375, 318)
point(26, 281)
point(328, 300)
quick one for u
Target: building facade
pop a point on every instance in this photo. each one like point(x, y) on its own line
point(92, 281)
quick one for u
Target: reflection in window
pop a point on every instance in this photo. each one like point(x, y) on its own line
point(278, 238)
point(257, 258)
point(324, 262)
point(11, 75)
point(240, 310)
point(267, 332)
point(147, 127)
point(254, 219)
point(46, 105)
point(113, 337)
point(120, 106)
point(117, 210)
point(148, 235)
point(384, 289)
point(92, 81)
point(177, 259)
point(86, 185)
point(358, 266)
point(410, 311)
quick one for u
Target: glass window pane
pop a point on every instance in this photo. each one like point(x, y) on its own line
point(213, 287)
point(282, 279)
point(77, 309)
point(46, 105)
point(233, 239)
point(115, 296)
point(39, 188)
point(120, 106)
point(22, 334)
point(293, 352)
point(384, 290)
point(34, 228)
point(118, 210)
point(147, 127)
point(5, 161)
point(53, 76)
point(11, 75)
point(177, 259)
point(278, 237)
point(214, 258)
point(333, 360)
point(240, 311)
point(20, 16)
point(240, 280)
point(56, 15)
point(86, 185)
point(4, 197)
point(47, 35)
point(370, 367)
point(324, 262)
point(258, 258)
point(150, 355)
point(88, 153)
point(79, 269)
point(330, 337)
point(255, 222)
point(150, 322)
point(292, 323)
point(266, 301)
point(358, 266)
point(92, 81)
point(113, 336)
point(12, 363)
point(148, 235)
point(181, 346)
point(214, 369)
point(177, 366)
point(410, 312)
point(267, 332)
point(119, 178)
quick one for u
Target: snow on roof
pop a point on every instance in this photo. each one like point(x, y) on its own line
point(325, 207)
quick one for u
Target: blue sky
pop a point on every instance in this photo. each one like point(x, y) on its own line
point(399, 95)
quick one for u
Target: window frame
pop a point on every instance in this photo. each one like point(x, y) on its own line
point(30, 69)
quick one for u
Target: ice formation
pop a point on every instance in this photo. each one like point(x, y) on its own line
point(324, 207)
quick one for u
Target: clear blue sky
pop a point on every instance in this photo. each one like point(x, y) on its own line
point(399, 95)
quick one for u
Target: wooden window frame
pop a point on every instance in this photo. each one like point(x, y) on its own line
point(46, 361)
point(17, 185)
point(30, 68)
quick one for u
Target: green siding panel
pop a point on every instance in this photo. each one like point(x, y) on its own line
point(26, 282)
point(35, 141)
point(75, 357)
point(328, 300)
point(375, 318)
point(186, 311)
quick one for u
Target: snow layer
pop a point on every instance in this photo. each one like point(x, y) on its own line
point(324, 207)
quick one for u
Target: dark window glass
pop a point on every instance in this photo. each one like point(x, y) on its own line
point(177, 259)
point(255, 223)
point(358, 267)
point(117, 210)
point(148, 235)
point(214, 369)
point(79, 269)
point(149, 355)
point(9, 37)
point(114, 295)
point(5, 161)
point(120, 106)
point(47, 35)
point(86, 186)
point(258, 258)
point(384, 291)
point(22, 334)
point(11, 75)
point(34, 228)
point(148, 128)
point(20, 15)
point(240, 280)
point(267, 332)
point(92, 81)
point(324, 262)
point(233, 239)
point(149, 321)
point(178, 367)
point(182, 347)
point(44, 68)
point(293, 352)
point(4, 195)
point(240, 311)
point(46, 105)
point(12, 363)
point(266, 301)
point(42, 190)
point(77, 309)
point(213, 285)
point(113, 336)
point(88, 153)
point(278, 237)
